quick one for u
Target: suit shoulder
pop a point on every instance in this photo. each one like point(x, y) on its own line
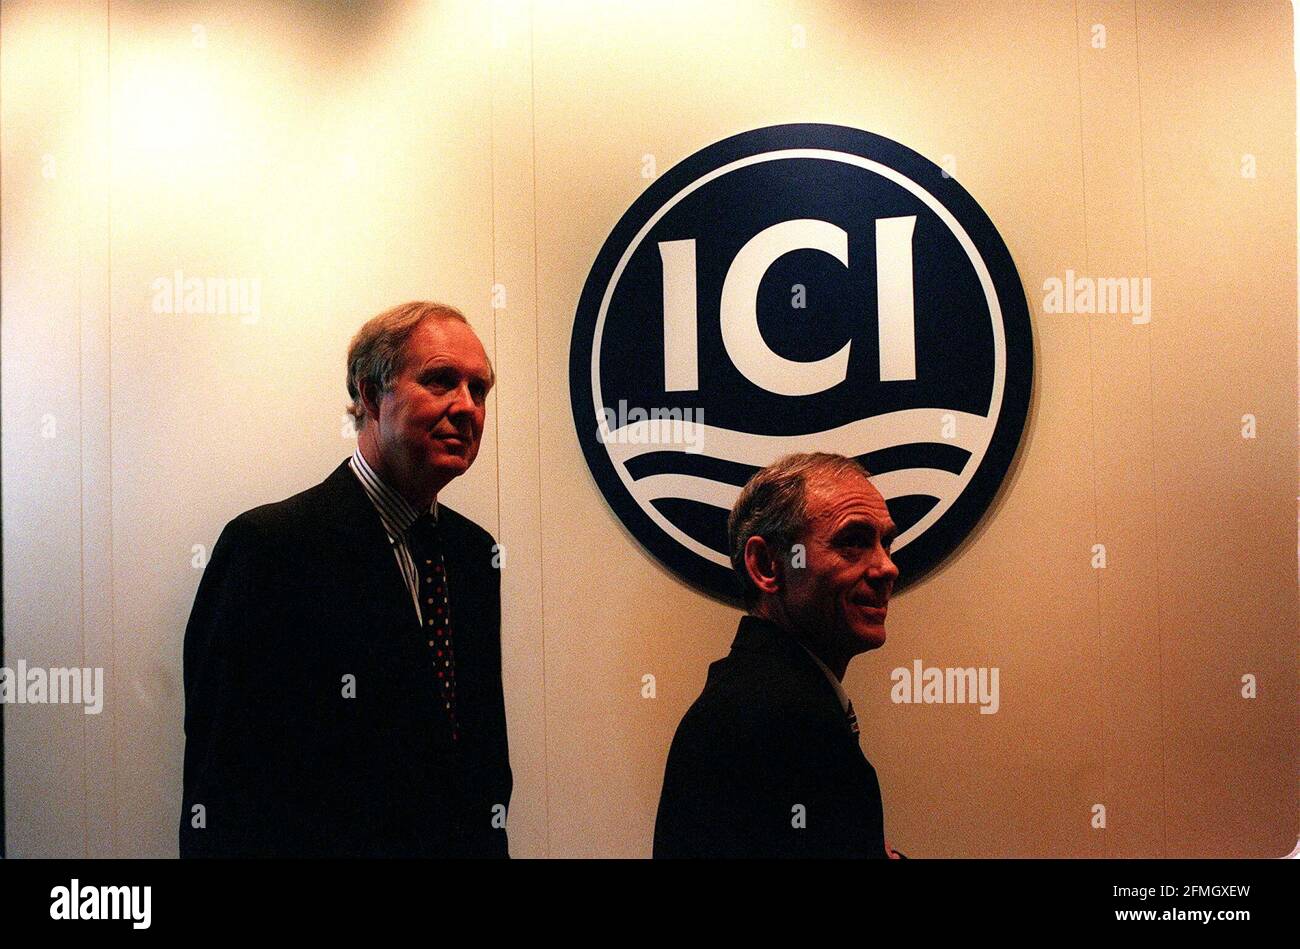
point(295, 506)
point(728, 709)
point(752, 699)
point(304, 509)
point(758, 685)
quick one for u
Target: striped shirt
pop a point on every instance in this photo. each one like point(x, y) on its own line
point(397, 516)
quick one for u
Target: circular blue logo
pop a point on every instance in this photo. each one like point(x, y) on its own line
point(800, 288)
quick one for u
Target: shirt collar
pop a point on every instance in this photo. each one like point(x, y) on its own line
point(395, 511)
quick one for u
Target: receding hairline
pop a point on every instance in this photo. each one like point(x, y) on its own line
point(817, 483)
point(443, 317)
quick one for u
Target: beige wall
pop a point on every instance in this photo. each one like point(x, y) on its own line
point(350, 161)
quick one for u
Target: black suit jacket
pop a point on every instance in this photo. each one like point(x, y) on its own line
point(767, 735)
point(301, 605)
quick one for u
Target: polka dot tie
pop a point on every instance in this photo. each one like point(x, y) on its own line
point(435, 612)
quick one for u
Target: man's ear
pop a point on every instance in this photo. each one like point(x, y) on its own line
point(763, 566)
point(370, 395)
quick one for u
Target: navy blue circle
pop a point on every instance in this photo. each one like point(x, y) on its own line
point(953, 331)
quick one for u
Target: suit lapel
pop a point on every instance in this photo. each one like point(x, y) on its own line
point(361, 534)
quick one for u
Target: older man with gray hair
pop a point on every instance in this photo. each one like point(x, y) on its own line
point(343, 658)
point(766, 762)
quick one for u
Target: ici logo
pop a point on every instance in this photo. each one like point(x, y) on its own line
point(810, 288)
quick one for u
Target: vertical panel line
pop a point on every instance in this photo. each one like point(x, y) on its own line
point(537, 384)
point(1092, 426)
point(81, 407)
point(1155, 505)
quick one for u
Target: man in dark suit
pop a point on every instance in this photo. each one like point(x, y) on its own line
point(766, 762)
point(343, 657)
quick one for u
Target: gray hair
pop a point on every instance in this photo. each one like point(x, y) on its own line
point(377, 352)
point(773, 506)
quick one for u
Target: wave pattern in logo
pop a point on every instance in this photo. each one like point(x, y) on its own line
point(883, 436)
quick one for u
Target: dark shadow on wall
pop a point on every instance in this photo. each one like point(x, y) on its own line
point(2, 708)
point(2, 621)
point(2, 641)
point(2, 662)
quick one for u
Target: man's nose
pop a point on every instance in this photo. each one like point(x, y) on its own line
point(882, 565)
point(462, 401)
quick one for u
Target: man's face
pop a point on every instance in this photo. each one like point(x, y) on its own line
point(842, 592)
point(431, 418)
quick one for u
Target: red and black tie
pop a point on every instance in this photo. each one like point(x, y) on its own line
point(435, 611)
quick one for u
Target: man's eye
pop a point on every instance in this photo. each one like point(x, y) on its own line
point(438, 380)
